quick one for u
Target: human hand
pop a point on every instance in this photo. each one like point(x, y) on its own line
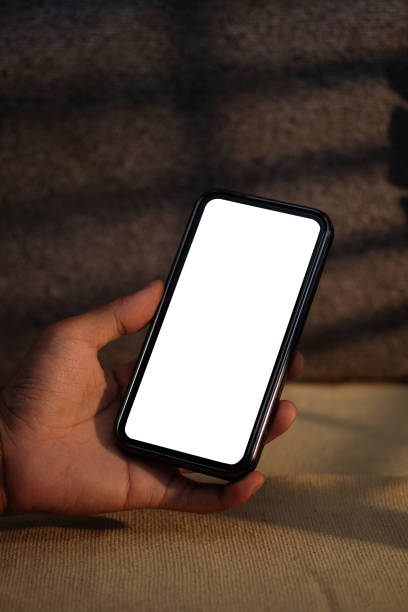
point(57, 415)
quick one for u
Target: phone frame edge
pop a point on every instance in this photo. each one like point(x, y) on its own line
point(271, 398)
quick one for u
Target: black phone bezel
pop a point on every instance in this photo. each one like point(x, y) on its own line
point(268, 405)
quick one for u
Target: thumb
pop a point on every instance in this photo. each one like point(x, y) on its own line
point(122, 316)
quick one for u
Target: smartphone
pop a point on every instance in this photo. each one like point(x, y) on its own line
point(211, 370)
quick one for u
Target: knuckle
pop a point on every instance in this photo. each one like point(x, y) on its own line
point(116, 307)
point(57, 330)
point(52, 331)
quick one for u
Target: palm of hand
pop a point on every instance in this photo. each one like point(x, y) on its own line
point(57, 432)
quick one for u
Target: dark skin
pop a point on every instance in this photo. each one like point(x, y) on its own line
point(58, 451)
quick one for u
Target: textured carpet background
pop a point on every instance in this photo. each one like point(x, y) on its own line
point(116, 115)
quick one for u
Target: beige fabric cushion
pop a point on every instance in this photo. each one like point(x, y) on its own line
point(348, 428)
point(306, 541)
point(303, 543)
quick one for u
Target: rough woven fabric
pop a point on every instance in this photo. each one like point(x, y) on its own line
point(328, 530)
point(303, 543)
point(116, 115)
point(343, 429)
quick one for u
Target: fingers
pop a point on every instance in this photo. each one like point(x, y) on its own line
point(286, 413)
point(124, 315)
point(296, 365)
point(189, 496)
point(285, 416)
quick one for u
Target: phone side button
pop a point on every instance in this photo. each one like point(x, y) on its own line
point(271, 409)
point(274, 402)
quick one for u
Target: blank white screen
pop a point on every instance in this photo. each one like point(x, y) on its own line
point(214, 355)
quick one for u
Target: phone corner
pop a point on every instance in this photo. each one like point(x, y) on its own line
point(241, 469)
point(215, 194)
point(326, 224)
point(119, 432)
